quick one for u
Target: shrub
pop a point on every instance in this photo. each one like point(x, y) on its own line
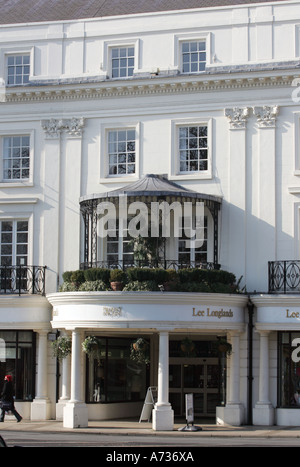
point(195, 287)
point(209, 276)
point(92, 286)
point(117, 275)
point(68, 287)
point(97, 274)
point(67, 276)
point(137, 286)
point(147, 274)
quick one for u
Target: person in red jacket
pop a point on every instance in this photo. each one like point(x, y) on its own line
point(7, 400)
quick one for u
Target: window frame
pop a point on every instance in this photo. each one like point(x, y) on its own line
point(14, 153)
point(190, 148)
point(117, 152)
point(196, 37)
point(108, 46)
point(289, 366)
point(129, 69)
point(15, 243)
point(15, 182)
point(176, 173)
point(106, 368)
point(18, 368)
point(189, 53)
point(15, 65)
point(105, 176)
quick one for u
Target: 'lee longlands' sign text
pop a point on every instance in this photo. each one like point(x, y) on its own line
point(213, 313)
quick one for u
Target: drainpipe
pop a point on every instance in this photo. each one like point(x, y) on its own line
point(250, 307)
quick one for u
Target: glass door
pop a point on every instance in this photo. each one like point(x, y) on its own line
point(199, 376)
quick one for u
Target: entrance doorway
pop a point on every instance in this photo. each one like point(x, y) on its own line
point(199, 376)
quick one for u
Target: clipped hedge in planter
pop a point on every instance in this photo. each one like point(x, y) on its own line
point(147, 274)
point(97, 274)
point(152, 279)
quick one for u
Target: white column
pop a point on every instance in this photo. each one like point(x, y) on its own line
point(233, 412)
point(75, 411)
point(65, 383)
point(40, 407)
point(65, 387)
point(163, 415)
point(234, 380)
point(76, 367)
point(263, 413)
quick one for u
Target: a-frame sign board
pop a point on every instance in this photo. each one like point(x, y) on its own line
point(150, 399)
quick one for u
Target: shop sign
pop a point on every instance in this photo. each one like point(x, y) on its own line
point(211, 313)
point(112, 312)
point(278, 315)
point(292, 314)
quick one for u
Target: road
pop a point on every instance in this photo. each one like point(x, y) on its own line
point(177, 444)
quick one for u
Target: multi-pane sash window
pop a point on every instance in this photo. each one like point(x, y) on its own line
point(193, 56)
point(16, 157)
point(188, 251)
point(193, 150)
point(18, 69)
point(14, 243)
point(122, 62)
point(119, 249)
point(121, 152)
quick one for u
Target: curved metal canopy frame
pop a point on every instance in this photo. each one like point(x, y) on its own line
point(148, 189)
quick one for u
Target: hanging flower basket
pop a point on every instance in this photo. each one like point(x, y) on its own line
point(224, 347)
point(140, 351)
point(187, 347)
point(62, 347)
point(92, 347)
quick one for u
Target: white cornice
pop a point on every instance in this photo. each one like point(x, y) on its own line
point(24, 301)
point(275, 300)
point(147, 87)
point(164, 298)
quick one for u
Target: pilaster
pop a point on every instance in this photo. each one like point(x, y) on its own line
point(237, 223)
point(263, 413)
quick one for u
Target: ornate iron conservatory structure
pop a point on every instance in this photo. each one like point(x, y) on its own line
point(159, 251)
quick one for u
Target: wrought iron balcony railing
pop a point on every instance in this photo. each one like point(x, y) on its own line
point(22, 280)
point(163, 264)
point(284, 276)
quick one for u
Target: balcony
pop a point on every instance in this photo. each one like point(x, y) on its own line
point(22, 280)
point(158, 263)
point(284, 277)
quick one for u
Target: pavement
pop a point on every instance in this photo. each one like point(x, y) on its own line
point(134, 427)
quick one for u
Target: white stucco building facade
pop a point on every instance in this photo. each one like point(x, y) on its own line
point(195, 104)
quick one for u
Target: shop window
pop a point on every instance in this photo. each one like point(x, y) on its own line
point(289, 370)
point(17, 358)
point(115, 378)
